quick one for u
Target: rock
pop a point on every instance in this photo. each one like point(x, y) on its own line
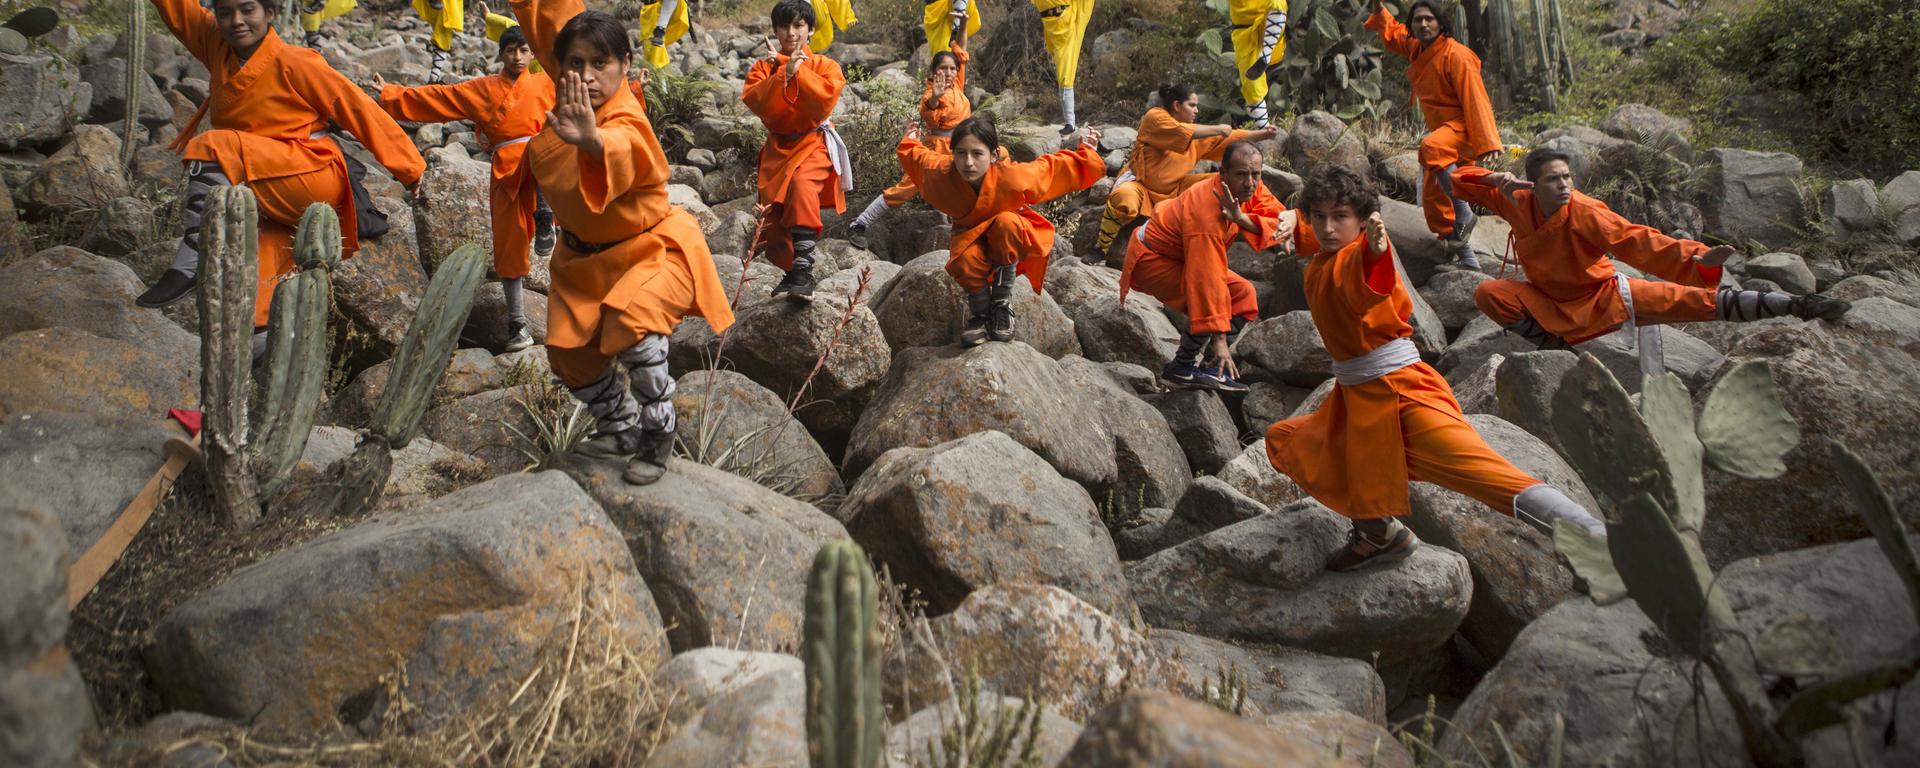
point(462, 593)
point(1887, 320)
point(1839, 386)
point(1287, 349)
point(1450, 294)
point(1400, 175)
point(1900, 198)
point(1211, 504)
point(1517, 575)
point(1146, 531)
point(108, 76)
point(484, 425)
point(451, 208)
point(1860, 287)
point(702, 159)
point(1161, 730)
point(1753, 195)
point(41, 97)
point(1036, 639)
point(1277, 679)
point(703, 675)
point(84, 468)
point(924, 307)
point(73, 371)
point(1524, 389)
point(1847, 591)
point(379, 289)
point(84, 175)
point(1315, 398)
point(907, 233)
point(1786, 270)
point(43, 700)
point(726, 558)
point(936, 394)
point(1477, 390)
point(1152, 469)
point(119, 228)
point(762, 722)
point(1762, 285)
point(1851, 207)
point(1265, 580)
point(1137, 333)
point(1202, 425)
point(1267, 403)
point(722, 413)
point(1419, 251)
point(1642, 124)
point(1318, 137)
point(64, 287)
point(1342, 734)
point(1251, 473)
point(471, 371)
point(1693, 360)
point(982, 510)
point(422, 471)
point(909, 741)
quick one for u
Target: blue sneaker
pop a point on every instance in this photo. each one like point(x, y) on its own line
point(1182, 374)
point(1218, 380)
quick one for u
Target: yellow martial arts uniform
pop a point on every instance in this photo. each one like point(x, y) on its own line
point(310, 22)
point(1065, 23)
point(446, 20)
point(827, 16)
point(939, 22)
point(1259, 41)
point(676, 27)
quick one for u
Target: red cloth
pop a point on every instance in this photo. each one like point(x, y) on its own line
point(188, 419)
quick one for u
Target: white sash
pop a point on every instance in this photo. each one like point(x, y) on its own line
point(511, 142)
point(1380, 361)
point(837, 151)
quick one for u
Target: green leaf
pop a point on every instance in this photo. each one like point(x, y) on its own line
point(1744, 428)
point(1604, 437)
point(1591, 561)
point(1883, 519)
point(1667, 409)
point(1368, 88)
point(1666, 574)
point(1210, 39)
point(1325, 25)
point(1824, 705)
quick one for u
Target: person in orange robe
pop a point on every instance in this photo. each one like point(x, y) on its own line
point(507, 109)
point(270, 104)
point(1566, 242)
point(629, 266)
point(995, 234)
point(803, 164)
point(1445, 75)
point(1180, 257)
point(1390, 419)
point(942, 106)
point(1167, 148)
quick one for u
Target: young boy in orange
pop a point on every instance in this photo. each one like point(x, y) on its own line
point(942, 106)
point(1167, 148)
point(1567, 241)
point(629, 266)
point(508, 109)
point(995, 234)
point(1180, 257)
point(270, 104)
point(803, 164)
point(1391, 419)
point(1445, 75)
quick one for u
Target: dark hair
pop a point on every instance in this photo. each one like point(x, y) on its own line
point(1332, 185)
point(271, 8)
point(981, 127)
point(786, 12)
point(1173, 93)
point(512, 38)
point(1235, 148)
point(1445, 20)
point(935, 63)
point(599, 28)
point(1539, 157)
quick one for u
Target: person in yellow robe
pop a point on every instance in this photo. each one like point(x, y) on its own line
point(943, 21)
point(1259, 41)
point(829, 15)
point(1064, 22)
point(668, 21)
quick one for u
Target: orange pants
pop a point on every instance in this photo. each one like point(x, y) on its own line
point(800, 209)
point(1008, 240)
point(1132, 199)
point(1654, 303)
point(655, 307)
point(511, 210)
point(1166, 280)
point(280, 203)
point(1444, 449)
point(1440, 148)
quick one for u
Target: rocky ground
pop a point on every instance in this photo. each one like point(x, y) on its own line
point(1070, 532)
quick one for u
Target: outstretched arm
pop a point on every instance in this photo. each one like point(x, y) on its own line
point(349, 107)
point(1392, 33)
point(195, 28)
point(1646, 248)
point(916, 160)
point(431, 103)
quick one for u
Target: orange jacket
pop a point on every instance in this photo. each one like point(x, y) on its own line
point(1446, 80)
point(501, 109)
point(793, 109)
point(1007, 188)
point(945, 112)
point(1192, 234)
point(1166, 151)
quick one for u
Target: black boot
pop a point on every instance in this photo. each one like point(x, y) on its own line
point(976, 332)
point(543, 232)
point(172, 286)
point(650, 463)
point(612, 445)
point(797, 286)
point(1000, 305)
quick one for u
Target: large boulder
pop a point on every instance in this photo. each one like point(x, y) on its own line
point(924, 307)
point(1753, 195)
point(1524, 387)
point(41, 97)
point(1900, 199)
point(68, 287)
point(727, 559)
point(120, 227)
point(1691, 359)
point(378, 290)
point(907, 233)
point(982, 510)
point(462, 593)
point(1450, 294)
point(1203, 425)
point(1481, 339)
point(494, 426)
point(1639, 703)
point(451, 207)
point(43, 701)
point(1421, 252)
point(1642, 124)
point(471, 371)
point(1036, 639)
point(1137, 332)
point(1252, 473)
point(1276, 678)
point(702, 675)
point(727, 420)
point(421, 472)
point(1885, 320)
point(1787, 270)
point(936, 394)
point(1287, 349)
point(83, 468)
point(1318, 137)
point(108, 76)
point(1476, 389)
point(1851, 206)
point(1342, 734)
point(1148, 729)
point(1266, 580)
point(1151, 468)
point(73, 371)
point(909, 742)
point(761, 722)
point(84, 175)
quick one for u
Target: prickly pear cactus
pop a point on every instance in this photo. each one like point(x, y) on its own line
point(845, 726)
point(1743, 426)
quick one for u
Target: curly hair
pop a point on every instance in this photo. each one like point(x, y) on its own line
point(1333, 185)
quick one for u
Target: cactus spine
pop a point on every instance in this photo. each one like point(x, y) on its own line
point(136, 70)
point(845, 726)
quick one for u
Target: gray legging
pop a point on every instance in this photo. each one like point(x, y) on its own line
point(647, 401)
point(202, 177)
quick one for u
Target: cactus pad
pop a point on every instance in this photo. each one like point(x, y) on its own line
point(1667, 410)
point(1605, 439)
point(1744, 428)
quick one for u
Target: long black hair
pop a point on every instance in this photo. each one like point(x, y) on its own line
point(981, 127)
point(598, 28)
point(1444, 19)
point(1173, 93)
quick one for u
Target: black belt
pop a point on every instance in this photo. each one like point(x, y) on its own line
point(583, 246)
point(1053, 12)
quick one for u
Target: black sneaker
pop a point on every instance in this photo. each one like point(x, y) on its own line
point(975, 333)
point(611, 445)
point(172, 286)
point(314, 39)
point(857, 235)
point(659, 37)
point(1362, 551)
point(649, 464)
point(543, 239)
point(1000, 321)
point(1068, 129)
point(797, 286)
point(1819, 306)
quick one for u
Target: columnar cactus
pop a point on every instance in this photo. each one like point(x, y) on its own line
point(845, 725)
point(136, 74)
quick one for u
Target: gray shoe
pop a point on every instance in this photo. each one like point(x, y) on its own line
point(650, 463)
point(517, 336)
point(614, 445)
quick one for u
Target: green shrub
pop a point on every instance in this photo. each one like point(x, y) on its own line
point(872, 130)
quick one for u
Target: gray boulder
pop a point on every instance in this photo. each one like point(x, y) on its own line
point(1137, 333)
point(73, 371)
point(41, 97)
point(1450, 294)
point(1476, 389)
point(1151, 468)
point(71, 288)
point(1252, 473)
point(492, 426)
point(1753, 195)
point(702, 675)
point(761, 722)
point(907, 233)
point(451, 207)
point(471, 371)
point(108, 76)
point(1162, 730)
point(1786, 270)
point(1860, 287)
point(1481, 339)
point(728, 421)
point(119, 228)
point(1851, 206)
point(1642, 124)
point(908, 742)
point(84, 175)
point(379, 289)
point(924, 307)
point(1278, 679)
point(82, 468)
point(1318, 137)
point(43, 700)
point(1900, 198)
point(1524, 388)
point(1693, 360)
point(1287, 349)
point(1202, 425)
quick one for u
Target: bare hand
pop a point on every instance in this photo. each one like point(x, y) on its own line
point(1265, 133)
point(793, 62)
point(913, 130)
point(1486, 159)
point(379, 83)
point(1289, 221)
point(773, 51)
point(643, 76)
point(1376, 230)
point(1090, 138)
point(1509, 184)
point(1230, 208)
point(572, 116)
point(1223, 352)
point(1716, 255)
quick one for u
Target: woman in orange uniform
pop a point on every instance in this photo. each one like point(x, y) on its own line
point(1391, 419)
point(270, 104)
point(1169, 145)
point(1180, 257)
point(1445, 76)
point(508, 109)
point(629, 266)
point(942, 106)
point(803, 164)
point(995, 234)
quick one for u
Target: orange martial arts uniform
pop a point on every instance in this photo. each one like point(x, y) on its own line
point(508, 112)
point(1358, 451)
point(270, 115)
point(992, 226)
point(1180, 256)
point(937, 118)
point(645, 264)
point(1445, 77)
point(797, 175)
point(1161, 166)
point(1571, 288)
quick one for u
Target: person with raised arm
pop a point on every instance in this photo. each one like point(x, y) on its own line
point(1165, 151)
point(804, 164)
point(942, 106)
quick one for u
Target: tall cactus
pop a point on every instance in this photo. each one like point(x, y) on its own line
point(845, 726)
point(358, 482)
point(136, 71)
